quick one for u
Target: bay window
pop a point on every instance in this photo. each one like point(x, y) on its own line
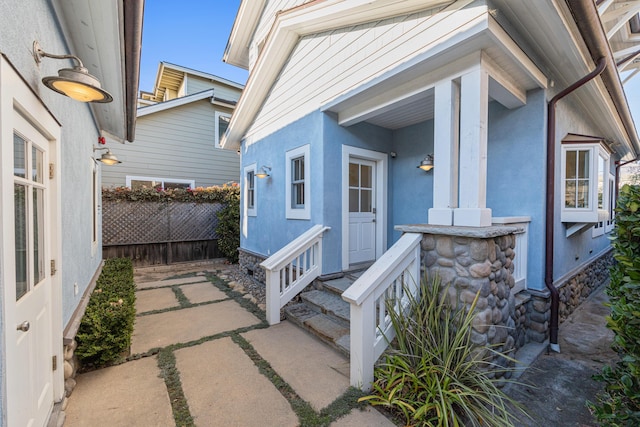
point(585, 189)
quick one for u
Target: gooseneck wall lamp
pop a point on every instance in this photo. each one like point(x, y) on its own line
point(426, 164)
point(76, 82)
point(107, 158)
point(264, 172)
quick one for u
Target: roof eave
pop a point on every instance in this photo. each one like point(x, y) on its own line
point(590, 26)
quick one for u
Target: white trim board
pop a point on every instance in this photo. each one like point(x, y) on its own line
point(382, 161)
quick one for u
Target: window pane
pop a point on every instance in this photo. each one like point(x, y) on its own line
point(36, 164)
point(38, 235)
point(223, 124)
point(365, 200)
point(173, 185)
point(570, 164)
point(570, 194)
point(139, 185)
point(354, 201)
point(20, 212)
point(298, 196)
point(583, 193)
point(297, 169)
point(366, 176)
point(19, 156)
point(600, 182)
point(583, 164)
point(354, 176)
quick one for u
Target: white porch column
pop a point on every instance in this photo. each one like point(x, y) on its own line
point(474, 105)
point(445, 152)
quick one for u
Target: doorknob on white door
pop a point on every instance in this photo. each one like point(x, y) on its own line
point(24, 326)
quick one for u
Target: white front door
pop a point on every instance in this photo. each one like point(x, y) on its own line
point(27, 295)
point(362, 211)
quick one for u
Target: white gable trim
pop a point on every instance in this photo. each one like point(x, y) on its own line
point(177, 102)
point(307, 19)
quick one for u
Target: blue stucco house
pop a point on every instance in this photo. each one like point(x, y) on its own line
point(518, 106)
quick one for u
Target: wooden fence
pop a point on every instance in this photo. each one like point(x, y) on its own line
point(153, 233)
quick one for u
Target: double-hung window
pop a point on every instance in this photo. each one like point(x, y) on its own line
point(297, 186)
point(250, 204)
point(585, 189)
point(221, 124)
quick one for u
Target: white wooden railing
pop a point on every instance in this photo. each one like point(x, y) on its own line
point(395, 271)
point(291, 269)
point(521, 250)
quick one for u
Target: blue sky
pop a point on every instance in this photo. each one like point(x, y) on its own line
point(190, 33)
point(194, 34)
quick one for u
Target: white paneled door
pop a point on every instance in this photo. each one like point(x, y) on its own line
point(362, 211)
point(27, 291)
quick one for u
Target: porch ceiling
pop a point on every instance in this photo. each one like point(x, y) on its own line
point(405, 95)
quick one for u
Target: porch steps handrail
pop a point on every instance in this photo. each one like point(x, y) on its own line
point(291, 269)
point(396, 271)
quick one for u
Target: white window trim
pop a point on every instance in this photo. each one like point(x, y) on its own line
point(591, 214)
point(610, 223)
point(300, 213)
point(217, 126)
point(245, 187)
point(97, 198)
point(191, 182)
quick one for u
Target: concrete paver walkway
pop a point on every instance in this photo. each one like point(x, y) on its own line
point(232, 369)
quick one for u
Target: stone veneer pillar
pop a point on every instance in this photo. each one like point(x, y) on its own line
point(472, 260)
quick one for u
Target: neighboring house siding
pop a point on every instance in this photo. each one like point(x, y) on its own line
point(175, 143)
point(196, 84)
point(358, 54)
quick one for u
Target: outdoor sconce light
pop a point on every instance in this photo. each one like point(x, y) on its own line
point(264, 172)
point(76, 82)
point(427, 164)
point(107, 158)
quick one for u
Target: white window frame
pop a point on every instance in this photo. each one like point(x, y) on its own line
point(191, 182)
point(217, 126)
point(303, 212)
point(590, 214)
point(96, 204)
point(611, 221)
point(250, 211)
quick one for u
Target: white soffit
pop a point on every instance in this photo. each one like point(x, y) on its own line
point(93, 30)
point(404, 95)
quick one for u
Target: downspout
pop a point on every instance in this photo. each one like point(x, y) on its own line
point(550, 211)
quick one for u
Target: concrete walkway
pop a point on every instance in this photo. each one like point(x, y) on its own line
point(202, 354)
point(557, 385)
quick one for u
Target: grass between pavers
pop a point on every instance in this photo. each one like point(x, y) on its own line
point(218, 283)
point(307, 416)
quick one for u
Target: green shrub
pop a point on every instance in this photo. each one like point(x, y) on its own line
point(106, 328)
point(228, 229)
point(197, 195)
point(619, 405)
point(432, 374)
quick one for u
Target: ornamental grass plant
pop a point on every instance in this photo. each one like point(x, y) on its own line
point(433, 375)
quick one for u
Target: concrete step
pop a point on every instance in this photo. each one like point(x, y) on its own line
point(328, 303)
point(322, 326)
point(336, 286)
